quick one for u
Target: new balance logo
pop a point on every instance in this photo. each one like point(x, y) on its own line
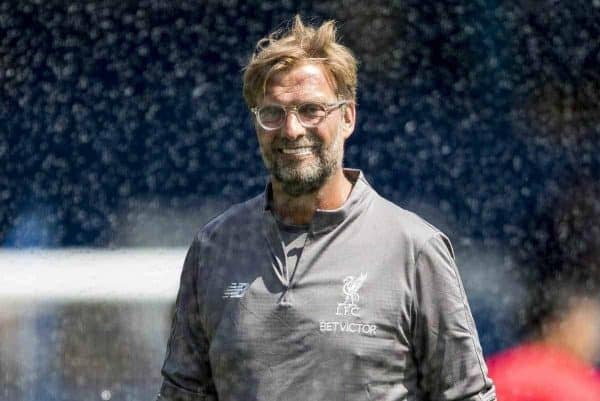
point(235, 290)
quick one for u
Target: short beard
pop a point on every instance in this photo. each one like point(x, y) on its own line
point(298, 181)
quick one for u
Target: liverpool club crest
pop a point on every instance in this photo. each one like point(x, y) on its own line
point(350, 289)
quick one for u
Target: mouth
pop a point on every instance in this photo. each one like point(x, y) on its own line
point(298, 151)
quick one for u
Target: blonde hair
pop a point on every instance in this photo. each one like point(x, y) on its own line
point(300, 44)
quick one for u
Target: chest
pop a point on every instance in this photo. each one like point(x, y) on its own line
point(337, 301)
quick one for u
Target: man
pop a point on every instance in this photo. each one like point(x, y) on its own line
point(561, 259)
point(318, 289)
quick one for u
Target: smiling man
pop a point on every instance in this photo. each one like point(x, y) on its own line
point(318, 289)
point(304, 154)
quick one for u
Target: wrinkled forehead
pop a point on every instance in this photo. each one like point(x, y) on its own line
point(302, 79)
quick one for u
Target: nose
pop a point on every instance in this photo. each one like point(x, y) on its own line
point(292, 128)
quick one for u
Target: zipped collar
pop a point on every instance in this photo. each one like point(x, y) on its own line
point(326, 220)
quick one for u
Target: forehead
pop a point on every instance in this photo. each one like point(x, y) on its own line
point(302, 81)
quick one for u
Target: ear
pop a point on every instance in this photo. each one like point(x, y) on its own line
point(348, 119)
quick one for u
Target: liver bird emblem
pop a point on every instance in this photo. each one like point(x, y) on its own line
point(351, 286)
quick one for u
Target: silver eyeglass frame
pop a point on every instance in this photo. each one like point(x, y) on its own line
point(329, 107)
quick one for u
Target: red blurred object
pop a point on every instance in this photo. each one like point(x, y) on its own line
point(538, 372)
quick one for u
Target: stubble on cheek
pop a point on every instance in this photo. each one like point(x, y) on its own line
point(300, 177)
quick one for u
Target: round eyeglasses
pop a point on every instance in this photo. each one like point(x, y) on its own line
point(310, 114)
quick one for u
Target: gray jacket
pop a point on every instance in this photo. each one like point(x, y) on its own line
point(373, 310)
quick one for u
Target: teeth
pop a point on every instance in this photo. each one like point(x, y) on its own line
point(296, 151)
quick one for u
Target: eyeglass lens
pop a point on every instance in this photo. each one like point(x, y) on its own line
point(309, 114)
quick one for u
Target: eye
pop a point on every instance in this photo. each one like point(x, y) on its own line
point(311, 110)
point(269, 114)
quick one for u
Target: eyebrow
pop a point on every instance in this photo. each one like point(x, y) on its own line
point(312, 100)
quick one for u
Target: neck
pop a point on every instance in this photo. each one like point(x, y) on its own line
point(577, 332)
point(300, 210)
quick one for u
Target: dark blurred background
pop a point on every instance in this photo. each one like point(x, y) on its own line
point(122, 122)
point(115, 111)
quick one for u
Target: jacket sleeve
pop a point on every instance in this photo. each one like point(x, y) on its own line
point(447, 351)
point(186, 371)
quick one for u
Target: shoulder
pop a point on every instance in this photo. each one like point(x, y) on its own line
point(406, 226)
point(235, 227)
point(548, 373)
point(237, 219)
